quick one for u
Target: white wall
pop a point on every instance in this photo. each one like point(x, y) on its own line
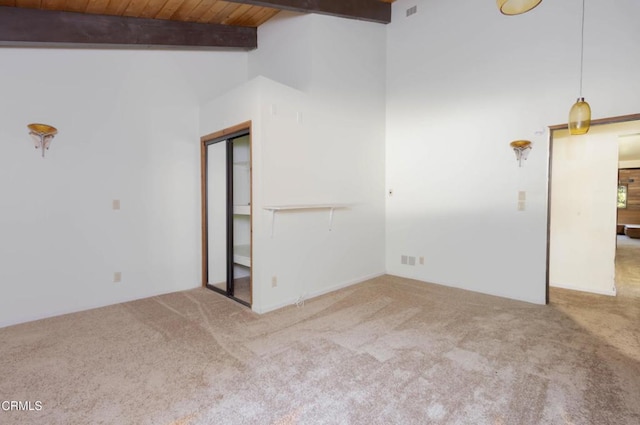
point(335, 154)
point(284, 54)
point(629, 164)
point(583, 211)
point(584, 207)
point(463, 81)
point(128, 130)
point(319, 139)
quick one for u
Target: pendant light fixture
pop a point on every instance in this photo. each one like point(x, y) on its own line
point(580, 114)
point(516, 7)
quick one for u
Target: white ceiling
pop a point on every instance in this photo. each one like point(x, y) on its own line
point(629, 147)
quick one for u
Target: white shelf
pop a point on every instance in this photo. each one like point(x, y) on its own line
point(242, 255)
point(242, 209)
point(304, 207)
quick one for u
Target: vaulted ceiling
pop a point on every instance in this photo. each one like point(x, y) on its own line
point(203, 24)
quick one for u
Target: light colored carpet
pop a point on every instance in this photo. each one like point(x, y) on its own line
point(387, 351)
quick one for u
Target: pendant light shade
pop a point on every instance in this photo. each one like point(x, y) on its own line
point(579, 117)
point(516, 7)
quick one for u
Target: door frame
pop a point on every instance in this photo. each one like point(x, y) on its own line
point(218, 136)
point(552, 130)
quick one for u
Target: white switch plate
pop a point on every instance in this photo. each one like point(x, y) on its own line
point(116, 204)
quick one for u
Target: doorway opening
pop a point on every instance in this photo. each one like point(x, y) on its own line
point(226, 212)
point(582, 223)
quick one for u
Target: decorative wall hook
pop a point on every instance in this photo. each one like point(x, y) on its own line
point(42, 135)
point(521, 148)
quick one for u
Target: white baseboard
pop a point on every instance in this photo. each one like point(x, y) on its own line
point(539, 301)
point(612, 292)
point(291, 301)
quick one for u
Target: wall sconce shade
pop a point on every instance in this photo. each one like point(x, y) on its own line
point(42, 135)
point(516, 7)
point(521, 148)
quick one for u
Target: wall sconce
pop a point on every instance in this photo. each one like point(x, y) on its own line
point(42, 135)
point(521, 148)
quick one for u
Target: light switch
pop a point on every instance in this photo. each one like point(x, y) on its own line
point(116, 204)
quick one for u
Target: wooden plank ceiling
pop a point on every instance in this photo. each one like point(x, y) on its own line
point(202, 11)
point(161, 23)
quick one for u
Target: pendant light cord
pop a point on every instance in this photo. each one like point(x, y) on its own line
point(582, 49)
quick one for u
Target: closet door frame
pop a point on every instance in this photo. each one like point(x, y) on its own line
point(223, 136)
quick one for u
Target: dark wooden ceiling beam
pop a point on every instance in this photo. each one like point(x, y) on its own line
point(365, 10)
point(34, 27)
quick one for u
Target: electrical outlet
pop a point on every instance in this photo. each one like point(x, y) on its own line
point(117, 277)
point(274, 281)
